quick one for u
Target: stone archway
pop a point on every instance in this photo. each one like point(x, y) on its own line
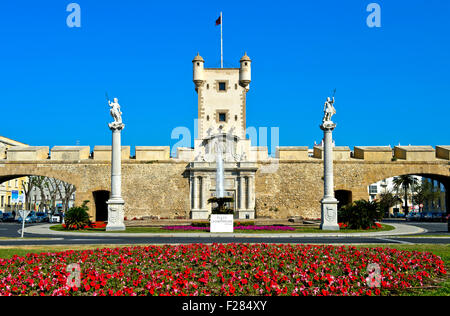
point(40, 192)
point(360, 190)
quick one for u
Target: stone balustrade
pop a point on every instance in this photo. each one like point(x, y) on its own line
point(27, 153)
point(292, 153)
point(103, 153)
point(443, 152)
point(70, 153)
point(152, 153)
point(288, 153)
point(414, 153)
point(373, 153)
point(339, 152)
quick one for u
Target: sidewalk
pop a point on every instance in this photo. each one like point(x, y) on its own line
point(400, 229)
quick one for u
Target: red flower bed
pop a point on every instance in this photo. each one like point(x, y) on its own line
point(98, 225)
point(234, 269)
point(376, 226)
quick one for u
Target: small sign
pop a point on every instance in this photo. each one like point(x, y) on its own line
point(24, 213)
point(222, 223)
point(14, 196)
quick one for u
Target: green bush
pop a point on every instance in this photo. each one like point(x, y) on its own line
point(360, 214)
point(244, 224)
point(77, 217)
point(200, 224)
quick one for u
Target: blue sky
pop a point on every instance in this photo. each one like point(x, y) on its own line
point(392, 82)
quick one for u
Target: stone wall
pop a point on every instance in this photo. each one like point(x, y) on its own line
point(296, 188)
point(283, 188)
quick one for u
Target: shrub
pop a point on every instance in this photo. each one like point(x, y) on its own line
point(77, 217)
point(360, 214)
point(200, 224)
point(246, 224)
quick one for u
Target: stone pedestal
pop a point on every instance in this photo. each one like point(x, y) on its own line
point(116, 204)
point(116, 212)
point(329, 203)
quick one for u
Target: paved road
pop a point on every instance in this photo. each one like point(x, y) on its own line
point(12, 230)
point(433, 228)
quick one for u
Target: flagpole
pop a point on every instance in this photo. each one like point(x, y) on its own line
point(221, 40)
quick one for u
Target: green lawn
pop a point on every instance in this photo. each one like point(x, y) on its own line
point(6, 238)
point(158, 230)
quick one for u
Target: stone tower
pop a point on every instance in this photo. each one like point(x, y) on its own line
point(222, 94)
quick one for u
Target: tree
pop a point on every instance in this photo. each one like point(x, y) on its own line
point(40, 182)
point(425, 192)
point(27, 187)
point(78, 217)
point(360, 214)
point(403, 184)
point(54, 187)
point(388, 199)
point(66, 193)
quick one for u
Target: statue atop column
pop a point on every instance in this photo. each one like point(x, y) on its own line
point(328, 203)
point(116, 204)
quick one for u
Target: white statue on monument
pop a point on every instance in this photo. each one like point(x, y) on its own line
point(115, 110)
point(329, 110)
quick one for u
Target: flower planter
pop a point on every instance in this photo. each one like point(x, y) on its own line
point(222, 223)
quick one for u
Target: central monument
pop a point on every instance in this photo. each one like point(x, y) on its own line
point(222, 96)
point(329, 202)
point(116, 203)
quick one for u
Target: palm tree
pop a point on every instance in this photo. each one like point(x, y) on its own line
point(405, 183)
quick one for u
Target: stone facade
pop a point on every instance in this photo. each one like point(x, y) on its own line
point(161, 188)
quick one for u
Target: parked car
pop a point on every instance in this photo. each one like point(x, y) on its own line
point(414, 216)
point(8, 217)
point(31, 218)
point(56, 217)
point(438, 216)
point(427, 216)
point(41, 217)
point(399, 215)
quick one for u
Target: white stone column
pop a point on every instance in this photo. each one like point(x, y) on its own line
point(200, 193)
point(195, 191)
point(205, 195)
point(251, 193)
point(116, 204)
point(241, 193)
point(329, 202)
